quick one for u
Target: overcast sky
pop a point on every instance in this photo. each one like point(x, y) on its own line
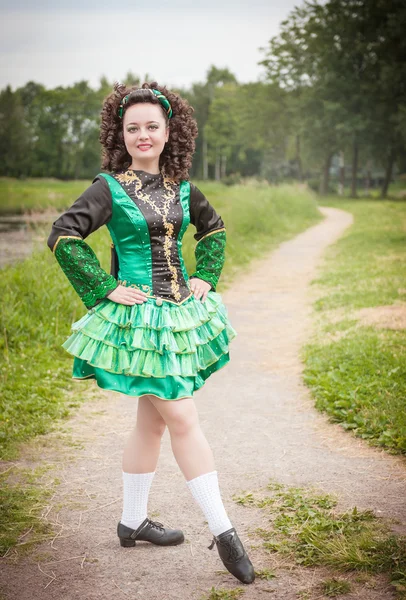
point(173, 42)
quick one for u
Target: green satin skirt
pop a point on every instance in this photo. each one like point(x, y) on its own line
point(167, 351)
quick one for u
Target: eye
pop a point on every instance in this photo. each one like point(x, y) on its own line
point(154, 126)
point(131, 129)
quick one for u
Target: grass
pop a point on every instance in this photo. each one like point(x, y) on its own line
point(332, 588)
point(19, 196)
point(39, 304)
point(223, 594)
point(356, 371)
point(36, 387)
point(307, 529)
point(22, 528)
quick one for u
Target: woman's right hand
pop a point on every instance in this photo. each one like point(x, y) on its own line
point(127, 295)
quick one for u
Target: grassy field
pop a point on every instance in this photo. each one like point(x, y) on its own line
point(356, 363)
point(35, 195)
point(39, 305)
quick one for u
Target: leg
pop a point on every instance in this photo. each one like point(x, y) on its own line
point(195, 459)
point(189, 444)
point(141, 452)
point(140, 458)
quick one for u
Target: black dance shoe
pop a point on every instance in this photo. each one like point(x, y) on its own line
point(149, 531)
point(233, 555)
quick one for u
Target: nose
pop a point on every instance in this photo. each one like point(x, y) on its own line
point(144, 135)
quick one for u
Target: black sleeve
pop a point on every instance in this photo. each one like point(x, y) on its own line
point(202, 214)
point(75, 257)
point(89, 212)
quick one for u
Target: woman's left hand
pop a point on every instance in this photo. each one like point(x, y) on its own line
point(200, 288)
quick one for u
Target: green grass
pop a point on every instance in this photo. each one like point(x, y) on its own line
point(266, 574)
point(36, 388)
point(23, 528)
point(223, 594)
point(29, 195)
point(39, 304)
point(306, 528)
point(357, 372)
point(332, 588)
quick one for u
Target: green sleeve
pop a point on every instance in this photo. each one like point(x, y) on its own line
point(211, 238)
point(210, 256)
point(82, 267)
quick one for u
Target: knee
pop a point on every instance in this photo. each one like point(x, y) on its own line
point(182, 423)
point(156, 426)
point(151, 426)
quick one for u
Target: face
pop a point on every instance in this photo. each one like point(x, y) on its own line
point(145, 134)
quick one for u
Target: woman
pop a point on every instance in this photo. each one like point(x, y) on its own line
point(152, 331)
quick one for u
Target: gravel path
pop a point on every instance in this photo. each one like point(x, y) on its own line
point(261, 424)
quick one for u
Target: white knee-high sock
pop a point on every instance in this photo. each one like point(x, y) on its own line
point(135, 498)
point(205, 490)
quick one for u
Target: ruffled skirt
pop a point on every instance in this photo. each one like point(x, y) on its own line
point(167, 351)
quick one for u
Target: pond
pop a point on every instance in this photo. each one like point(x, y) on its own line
point(19, 234)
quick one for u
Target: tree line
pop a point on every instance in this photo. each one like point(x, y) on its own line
point(332, 100)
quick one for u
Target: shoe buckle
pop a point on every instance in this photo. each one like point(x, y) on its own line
point(135, 533)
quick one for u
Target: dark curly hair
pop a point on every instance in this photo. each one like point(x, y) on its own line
point(176, 157)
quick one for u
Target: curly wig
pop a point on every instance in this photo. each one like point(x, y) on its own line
point(176, 157)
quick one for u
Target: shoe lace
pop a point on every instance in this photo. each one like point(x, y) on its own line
point(157, 525)
point(234, 551)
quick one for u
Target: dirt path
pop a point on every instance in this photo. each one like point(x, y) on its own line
point(261, 424)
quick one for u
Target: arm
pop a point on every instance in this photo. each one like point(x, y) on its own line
point(76, 258)
point(211, 238)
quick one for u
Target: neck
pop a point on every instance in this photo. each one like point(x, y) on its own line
point(150, 167)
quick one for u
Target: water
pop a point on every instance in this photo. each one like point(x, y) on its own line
point(19, 234)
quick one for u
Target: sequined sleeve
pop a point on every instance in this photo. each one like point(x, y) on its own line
point(211, 238)
point(75, 257)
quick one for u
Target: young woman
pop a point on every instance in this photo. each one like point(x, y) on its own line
point(151, 330)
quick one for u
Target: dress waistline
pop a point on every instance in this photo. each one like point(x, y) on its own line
point(159, 300)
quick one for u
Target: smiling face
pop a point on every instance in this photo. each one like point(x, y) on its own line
point(145, 134)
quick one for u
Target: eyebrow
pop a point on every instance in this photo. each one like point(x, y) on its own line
point(135, 123)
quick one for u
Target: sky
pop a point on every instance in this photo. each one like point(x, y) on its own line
point(173, 43)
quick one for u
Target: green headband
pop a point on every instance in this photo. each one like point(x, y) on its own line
point(162, 99)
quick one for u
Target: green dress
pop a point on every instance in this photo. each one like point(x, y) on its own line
point(170, 344)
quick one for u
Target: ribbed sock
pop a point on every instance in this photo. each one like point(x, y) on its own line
point(135, 498)
point(205, 490)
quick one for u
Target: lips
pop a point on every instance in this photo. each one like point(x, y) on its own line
point(144, 146)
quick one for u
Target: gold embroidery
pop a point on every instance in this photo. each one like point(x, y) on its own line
point(127, 177)
point(169, 195)
point(210, 233)
point(77, 237)
point(147, 289)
